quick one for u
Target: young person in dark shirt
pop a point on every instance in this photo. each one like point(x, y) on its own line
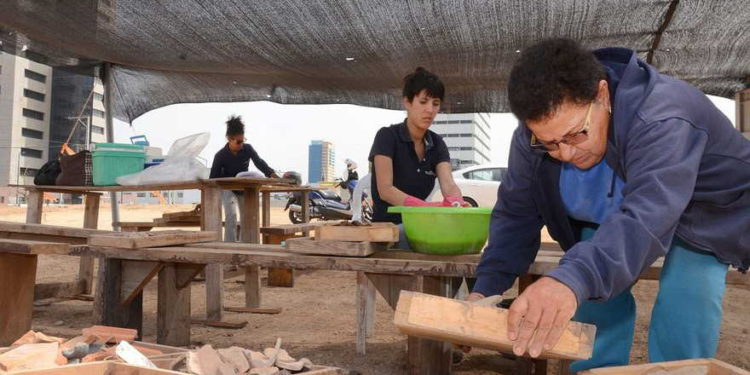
point(232, 159)
point(408, 157)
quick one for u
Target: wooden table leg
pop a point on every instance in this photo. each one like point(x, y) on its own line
point(90, 221)
point(211, 221)
point(17, 276)
point(250, 225)
point(279, 277)
point(173, 306)
point(365, 310)
point(305, 211)
point(527, 365)
point(34, 206)
point(429, 356)
point(109, 308)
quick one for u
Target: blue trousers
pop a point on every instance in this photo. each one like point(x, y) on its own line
point(685, 320)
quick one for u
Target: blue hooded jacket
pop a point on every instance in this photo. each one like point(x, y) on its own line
point(686, 173)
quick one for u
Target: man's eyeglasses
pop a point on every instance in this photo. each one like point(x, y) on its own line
point(570, 139)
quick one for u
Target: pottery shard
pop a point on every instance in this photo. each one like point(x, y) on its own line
point(32, 337)
point(294, 365)
point(30, 357)
point(236, 357)
point(257, 359)
point(264, 371)
point(282, 355)
point(209, 362)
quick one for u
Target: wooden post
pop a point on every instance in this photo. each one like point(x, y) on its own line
point(17, 276)
point(34, 206)
point(211, 221)
point(173, 305)
point(90, 221)
point(526, 365)
point(305, 211)
point(365, 310)
point(279, 277)
point(428, 356)
point(266, 215)
point(108, 307)
point(250, 226)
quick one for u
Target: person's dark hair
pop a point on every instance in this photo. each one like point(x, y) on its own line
point(235, 126)
point(549, 73)
point(420, 80)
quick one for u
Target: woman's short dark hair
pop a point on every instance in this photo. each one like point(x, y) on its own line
point(549, 73)
point(420, 80)
point(235, 126)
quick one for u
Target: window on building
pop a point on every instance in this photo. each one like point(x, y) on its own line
point(97, 129)
point(140, 195)
point(180, 195)
point(29, 172)
point(466, 121)
point(2, 199)
point(31, 153)
point(98, 113)
point(33, 95)
point(30, 113)
point(98, 96)
point(30, 74)
point(31, 133)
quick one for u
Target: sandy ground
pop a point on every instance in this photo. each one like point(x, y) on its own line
point(318, 318)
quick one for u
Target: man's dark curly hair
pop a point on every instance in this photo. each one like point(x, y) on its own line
point(235, 126)
point(549, 73)
point(420, 80)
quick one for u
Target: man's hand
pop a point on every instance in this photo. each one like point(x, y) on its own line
point(538, 317)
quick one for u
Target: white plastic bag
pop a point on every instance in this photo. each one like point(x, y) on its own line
point(179, 165)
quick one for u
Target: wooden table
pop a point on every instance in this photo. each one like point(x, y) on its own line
point(211, 220)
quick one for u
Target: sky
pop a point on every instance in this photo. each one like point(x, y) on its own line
point(282, 133)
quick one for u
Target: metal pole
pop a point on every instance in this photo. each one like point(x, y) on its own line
point(108, 98)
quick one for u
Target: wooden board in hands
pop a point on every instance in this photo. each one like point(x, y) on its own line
point(375, 232)
point(461, 322)
point(140, 240)
point(306, 245)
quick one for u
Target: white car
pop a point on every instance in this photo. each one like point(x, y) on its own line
point(478, 184)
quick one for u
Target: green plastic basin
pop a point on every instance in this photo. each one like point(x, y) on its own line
point(445, 230)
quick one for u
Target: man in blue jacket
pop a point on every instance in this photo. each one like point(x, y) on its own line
point(623, 165)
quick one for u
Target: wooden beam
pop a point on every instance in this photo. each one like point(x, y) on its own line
point(211, 221)
point(306, 245)
point(33, 247)
point(249, 220)
point(252, 286)
point(34, 206)
point(291, 229)
point(376, 232)
point(427, 356)
point(461, 322)
point(186, 272)
point(135, 276)
point(108, 310)
point(173, 305)
point(17, 276)
point(90, 221)
point(49, 230)
point(365, 310)
point(279, 277)
point(61, 289)
point(140, 240)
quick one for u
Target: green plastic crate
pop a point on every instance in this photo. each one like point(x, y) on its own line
point(112, 160)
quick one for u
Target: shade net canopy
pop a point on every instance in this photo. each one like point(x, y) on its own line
point(357, 52)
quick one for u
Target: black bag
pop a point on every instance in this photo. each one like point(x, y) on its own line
point(47, 175)
point(76, 169)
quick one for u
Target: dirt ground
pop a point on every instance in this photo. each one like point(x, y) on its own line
point(318, 318)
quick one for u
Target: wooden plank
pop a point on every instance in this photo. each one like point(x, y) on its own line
point(266, 209)
point(135, 276)
point(49, 230)
point(17, 276)
point(90, 221)
point(173, 305)
point(461, 322)
point(34, 206)
point(221, 324)
point(289, 229)
point(305, 245)
point(32, 247)
point(252, 286)
point(140, 240)
point(376, 232)
point(426, 356)
point(365, 310)
point(279, 277)
point(100, 368)
point(249, 219)
point(255, 310)
point(700, 366)
point(108, 310)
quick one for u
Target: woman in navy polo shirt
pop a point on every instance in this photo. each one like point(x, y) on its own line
point(408, 157)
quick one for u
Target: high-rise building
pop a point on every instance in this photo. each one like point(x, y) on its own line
point(321, 162)
point(467, 136)
point(25, 107)
point(76, 95)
